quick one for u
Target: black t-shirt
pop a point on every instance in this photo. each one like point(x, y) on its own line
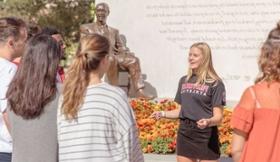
point(197, 100)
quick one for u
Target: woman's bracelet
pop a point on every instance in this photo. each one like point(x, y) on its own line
point(162, 114)
point(209, 123)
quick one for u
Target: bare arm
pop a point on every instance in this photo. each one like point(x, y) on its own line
point(213, 121)
point(174, 114)
point(246, 104)
point(217, 116)
point(238, 142)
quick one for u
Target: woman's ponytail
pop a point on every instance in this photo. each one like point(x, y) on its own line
point(92, 49)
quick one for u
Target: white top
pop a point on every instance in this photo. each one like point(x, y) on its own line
point(7, 72)
point(105, 130)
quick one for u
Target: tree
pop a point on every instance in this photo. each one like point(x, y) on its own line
point(65, 15)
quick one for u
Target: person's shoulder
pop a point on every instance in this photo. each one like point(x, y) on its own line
point(183, 78)
point(217, 84)
point(219, 81)
point(260, 86)
point(7, 66)
point(12, 68)
point(7, 63)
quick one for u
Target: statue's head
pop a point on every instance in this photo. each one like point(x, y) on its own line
point(102, 11)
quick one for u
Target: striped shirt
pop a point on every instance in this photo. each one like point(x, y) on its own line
point(104, 131)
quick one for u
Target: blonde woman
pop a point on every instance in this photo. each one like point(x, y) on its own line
point(256, 117)
point(201, 96)
point(96, 122)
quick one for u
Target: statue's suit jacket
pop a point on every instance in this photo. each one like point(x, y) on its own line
point(116, 45)
point(111, 34)
point(121, 59)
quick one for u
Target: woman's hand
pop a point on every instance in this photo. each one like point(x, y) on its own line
point(158, 114)
point(215, 120)
point(203, 123)
point(173, 114)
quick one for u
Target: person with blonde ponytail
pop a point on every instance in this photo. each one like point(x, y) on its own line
point(201, 96)
point(95, 122)
point(255, 120)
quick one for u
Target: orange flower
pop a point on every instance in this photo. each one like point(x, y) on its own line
point(151, 129)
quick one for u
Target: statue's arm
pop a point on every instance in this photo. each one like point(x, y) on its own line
point(119, 44)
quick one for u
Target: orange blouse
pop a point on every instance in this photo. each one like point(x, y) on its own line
point(258, 115)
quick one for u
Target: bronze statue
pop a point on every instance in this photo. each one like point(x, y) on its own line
point(121, 56)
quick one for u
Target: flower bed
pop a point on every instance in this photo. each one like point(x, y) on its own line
point(159, 136)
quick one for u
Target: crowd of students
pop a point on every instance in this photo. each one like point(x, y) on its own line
point(49, 117)
point(95, 121)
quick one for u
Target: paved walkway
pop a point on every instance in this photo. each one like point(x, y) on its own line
point(171, 158)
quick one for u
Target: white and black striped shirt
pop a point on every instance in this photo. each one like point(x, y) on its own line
point(105, 130)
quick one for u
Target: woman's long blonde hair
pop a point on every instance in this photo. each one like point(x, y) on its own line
point(205, 72)
point(269, 60)
point(92, 49)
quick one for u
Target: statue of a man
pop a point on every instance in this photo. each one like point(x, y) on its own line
point(120, 56)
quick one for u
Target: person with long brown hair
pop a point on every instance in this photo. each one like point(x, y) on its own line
point(13, 34)
point(33, 102)
point(56, 35)
point(201, 96)
point(96, 122)
point(255, 119)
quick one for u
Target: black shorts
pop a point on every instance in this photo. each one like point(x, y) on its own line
point(196, 143)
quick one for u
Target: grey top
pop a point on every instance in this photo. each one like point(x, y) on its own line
point(35, 140)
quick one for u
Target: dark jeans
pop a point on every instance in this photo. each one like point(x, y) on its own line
point(5, 157)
